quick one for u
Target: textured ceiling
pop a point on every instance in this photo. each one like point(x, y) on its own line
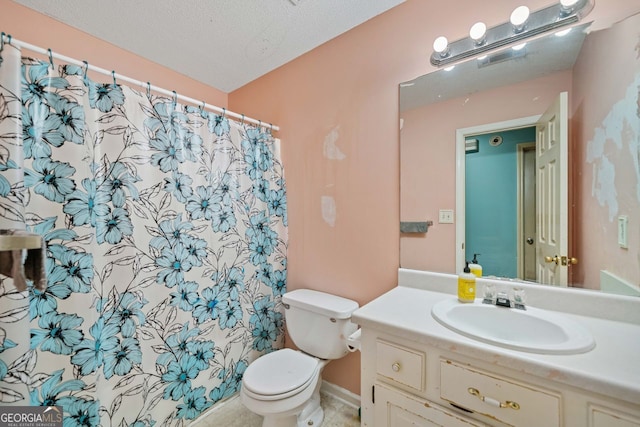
point(223, 43)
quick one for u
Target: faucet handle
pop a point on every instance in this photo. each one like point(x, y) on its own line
point(503, 300)
point(518, 298)
point(489, 293)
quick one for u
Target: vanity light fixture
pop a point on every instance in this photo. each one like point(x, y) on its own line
point(522, 25)
point(501, 56)
point(563, 33)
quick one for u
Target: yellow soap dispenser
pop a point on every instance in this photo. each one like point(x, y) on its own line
point(466, 285)
point(476, 269)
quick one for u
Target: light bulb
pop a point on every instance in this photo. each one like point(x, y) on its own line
point(567, 6)
point(478, 32)
point(519, 18)
point(440, 45)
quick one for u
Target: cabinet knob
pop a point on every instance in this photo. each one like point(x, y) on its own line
point(395, 367)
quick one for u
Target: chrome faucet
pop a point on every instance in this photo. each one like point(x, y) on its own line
point(502, 298)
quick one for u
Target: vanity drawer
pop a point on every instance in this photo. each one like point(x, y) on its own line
point(599, 416)
point(400, 364)
point(505, 400)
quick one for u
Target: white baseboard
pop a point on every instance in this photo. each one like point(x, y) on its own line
point(218, 406)
point(347, 397)
point(336, 392)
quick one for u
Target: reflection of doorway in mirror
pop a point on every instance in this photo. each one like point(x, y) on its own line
point(503, 253)
point(495, 212)
point(527, 211)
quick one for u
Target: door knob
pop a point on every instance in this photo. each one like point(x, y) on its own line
point(568, 261)
point(530, 240)
point(554, 259)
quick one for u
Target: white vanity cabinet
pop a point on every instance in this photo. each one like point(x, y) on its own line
point(398, 409)
point(417, 372)
point(399, 368)
point(409, 383)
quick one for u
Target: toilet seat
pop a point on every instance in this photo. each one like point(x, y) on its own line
point(279, 374)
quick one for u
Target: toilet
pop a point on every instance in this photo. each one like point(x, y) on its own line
point(284, 386)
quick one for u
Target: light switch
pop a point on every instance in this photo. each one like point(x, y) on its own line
point(446, 216)
point(622, 231)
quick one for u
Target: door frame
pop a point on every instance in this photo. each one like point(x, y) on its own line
point(521, 148)
point(461, 135)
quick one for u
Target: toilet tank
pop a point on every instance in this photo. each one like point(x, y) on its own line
point(319, 323)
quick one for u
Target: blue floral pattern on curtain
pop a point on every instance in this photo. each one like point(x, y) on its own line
point(166, 232)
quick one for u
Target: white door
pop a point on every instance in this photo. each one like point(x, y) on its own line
point(552, 142)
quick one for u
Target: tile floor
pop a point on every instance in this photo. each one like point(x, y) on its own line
point(232, 413)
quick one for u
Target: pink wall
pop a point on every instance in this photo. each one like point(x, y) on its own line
point(609, 107)
point(31, 27)
point(344, 91)
point(428, 150)
point(347, 90)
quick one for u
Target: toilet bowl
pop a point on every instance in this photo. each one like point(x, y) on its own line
point(284, 386)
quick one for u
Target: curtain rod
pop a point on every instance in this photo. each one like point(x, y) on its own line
point(146, 85)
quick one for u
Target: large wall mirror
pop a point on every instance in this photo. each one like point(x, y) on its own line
point(471, 162)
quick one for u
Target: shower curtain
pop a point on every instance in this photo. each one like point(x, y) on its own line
point(166, 234)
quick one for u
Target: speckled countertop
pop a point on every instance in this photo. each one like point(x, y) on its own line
point(612, 368)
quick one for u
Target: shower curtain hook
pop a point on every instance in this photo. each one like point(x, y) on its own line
point(1, 41)
point(224, 112)
point(8, 38)
point(242, 122)
point(113, 74)
point(148, 90)
point(202, 108)
point(86, 68)
point(174, 100)
point(51, 59)
point(270, 128)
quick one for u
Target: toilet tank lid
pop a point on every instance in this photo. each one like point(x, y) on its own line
point(321, 302)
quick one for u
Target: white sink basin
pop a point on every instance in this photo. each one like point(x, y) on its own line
point(532, 330)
